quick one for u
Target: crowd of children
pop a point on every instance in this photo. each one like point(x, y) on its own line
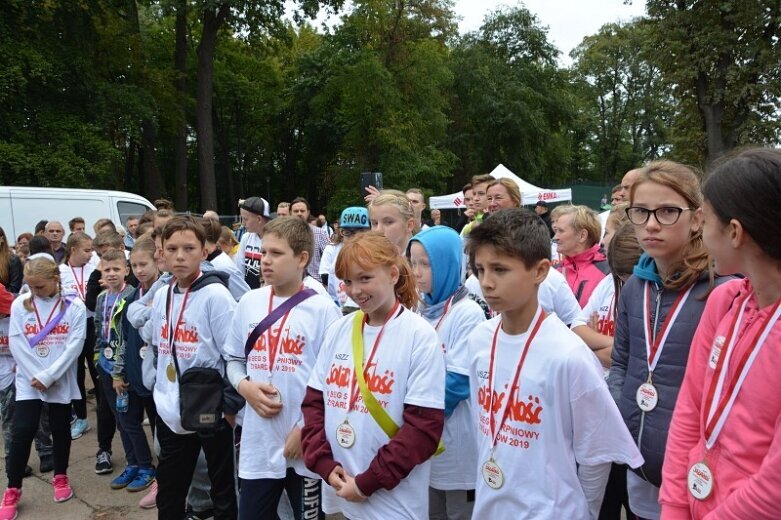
point(425, 373)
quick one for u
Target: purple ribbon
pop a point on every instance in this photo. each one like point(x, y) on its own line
point(49, 326)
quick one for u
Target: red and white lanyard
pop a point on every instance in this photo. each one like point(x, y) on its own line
point(108, 317)
point(79, 283)
point(539, 317)
point(655, 344)
point(169, 311)
point(444, 313)
point(356, 362)
point(719, 408)
point(41, 324)
point(273, 341)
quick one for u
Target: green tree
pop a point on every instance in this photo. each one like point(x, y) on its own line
point(511, 103)
point(724, 59)
point(626, 102)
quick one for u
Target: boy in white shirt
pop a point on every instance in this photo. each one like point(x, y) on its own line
point(548, 429)
point(191, 317)
point(273, 377)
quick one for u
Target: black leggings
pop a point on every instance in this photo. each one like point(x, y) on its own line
point(26, 419)
point(87, 355)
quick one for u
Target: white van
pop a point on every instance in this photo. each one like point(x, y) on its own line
point(21, 208)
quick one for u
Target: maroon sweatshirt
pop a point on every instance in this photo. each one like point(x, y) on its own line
point(415, 442)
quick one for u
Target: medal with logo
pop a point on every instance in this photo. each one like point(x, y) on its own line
point(647, 396)
point(273, 347)
point(42, 350)
point(345, 432)
point(724, 390)
point(492, 472)
point(170, 370)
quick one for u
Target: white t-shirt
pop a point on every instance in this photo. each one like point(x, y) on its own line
point(561, 417)
point(408, 369)
point(602, 302)
point(454, 469)
point(199, 341)
point(73, 281)
point(335, 285)
point(248, 258)
point(554, 295)
point(263, 440)
point(53, 360)
point(7, 363)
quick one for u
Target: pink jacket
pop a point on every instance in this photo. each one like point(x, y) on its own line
point(584, 271)
point(746, 458)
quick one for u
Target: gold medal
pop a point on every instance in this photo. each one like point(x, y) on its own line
point(170, 371)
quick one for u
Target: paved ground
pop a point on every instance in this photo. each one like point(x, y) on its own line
point(94, 498)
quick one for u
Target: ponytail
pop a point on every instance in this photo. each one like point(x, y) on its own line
point(406, 289)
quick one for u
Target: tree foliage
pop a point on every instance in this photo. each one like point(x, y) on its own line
point(209, 101)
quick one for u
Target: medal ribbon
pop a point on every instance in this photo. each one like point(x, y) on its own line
point(41, 324)
point(655, 344)
point(110, 316)
point(273, 342)
point(79, 284)
point(719, 411)
point(539, 317)
point(358, 365)
point(444, 313)
point(170, 309)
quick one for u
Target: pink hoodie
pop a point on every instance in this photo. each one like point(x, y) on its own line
point(582, 273)
point(746, 458)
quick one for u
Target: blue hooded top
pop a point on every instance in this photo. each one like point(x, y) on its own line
point(445, 253)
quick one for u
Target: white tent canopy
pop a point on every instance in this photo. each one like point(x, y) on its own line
point(530, 193)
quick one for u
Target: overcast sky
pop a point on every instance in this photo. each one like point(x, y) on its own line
point(568, 21)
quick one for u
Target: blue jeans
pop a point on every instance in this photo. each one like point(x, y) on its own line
point(43, 437)
point(131, 431)
point(259, 498)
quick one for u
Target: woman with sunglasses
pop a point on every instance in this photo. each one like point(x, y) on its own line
point(658, 313)
point(10, 266)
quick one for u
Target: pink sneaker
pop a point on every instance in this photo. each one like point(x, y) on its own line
point(11, 499)
point(62, 489)
point(150, 500)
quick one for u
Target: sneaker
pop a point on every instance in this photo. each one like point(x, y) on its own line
point(103, 462)
point(150, 499)
point(127, 476)
point(10, 503)
point(143, 480)
point(198, 515)
point(73, 418)
point(79, 428)
point(62, 489)
point(47, 464)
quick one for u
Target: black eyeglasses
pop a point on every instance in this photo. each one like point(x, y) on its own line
point(666, 216)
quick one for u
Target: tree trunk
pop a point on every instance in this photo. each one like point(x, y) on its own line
point(212, 21)
point(180, 149)
point(153, 181)
point(712, 117)
point(154, 184)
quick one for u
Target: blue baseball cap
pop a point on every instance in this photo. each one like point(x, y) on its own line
point(354, 217)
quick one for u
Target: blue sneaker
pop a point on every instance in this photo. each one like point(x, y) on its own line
point(79, 428)
point(143, 480)
point(127, 476)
